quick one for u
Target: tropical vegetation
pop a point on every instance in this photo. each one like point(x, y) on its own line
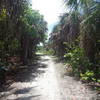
point(76, 38)
point(21, 30)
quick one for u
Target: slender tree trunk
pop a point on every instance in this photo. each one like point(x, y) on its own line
point(24, 49)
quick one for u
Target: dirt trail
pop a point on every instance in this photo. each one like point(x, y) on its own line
point(47, 81)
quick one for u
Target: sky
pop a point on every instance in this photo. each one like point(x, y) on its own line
point(51, 9)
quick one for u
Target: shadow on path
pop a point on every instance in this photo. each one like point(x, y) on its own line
point(27, 73)
point(27, 98)
point(24, 74)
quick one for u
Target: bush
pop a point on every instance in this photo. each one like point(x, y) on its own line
point(88, 76)
point(78, 61)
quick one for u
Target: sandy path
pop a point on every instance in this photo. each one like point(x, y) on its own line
point(47, 82)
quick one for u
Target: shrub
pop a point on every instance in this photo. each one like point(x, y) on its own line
point(89, 75)
point(78, 61)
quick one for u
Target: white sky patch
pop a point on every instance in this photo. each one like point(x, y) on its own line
point(51, 9)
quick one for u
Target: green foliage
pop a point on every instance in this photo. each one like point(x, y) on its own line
point(77, 38)
point(45, 50)
point(81, 65)
point(21, 30)
point(33, 23)
point(14, 46)
point(77, 60)
point(49, 52)
point(88, 76)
